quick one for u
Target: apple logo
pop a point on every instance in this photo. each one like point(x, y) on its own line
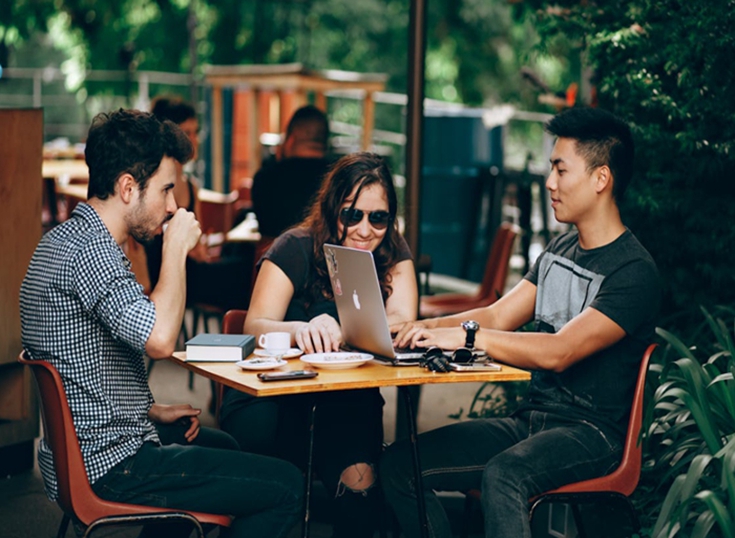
point(356, 299)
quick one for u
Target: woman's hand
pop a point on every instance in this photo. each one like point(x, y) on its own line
point(319, 335)
point(183, 413)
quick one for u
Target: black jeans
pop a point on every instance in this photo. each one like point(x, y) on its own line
point(348, 429)
point(509, 459)
point(263, 494)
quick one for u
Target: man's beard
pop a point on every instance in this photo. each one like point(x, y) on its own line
point(142, 227)
point(142, 235)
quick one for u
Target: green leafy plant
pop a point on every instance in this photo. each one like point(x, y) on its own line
point(692, 435)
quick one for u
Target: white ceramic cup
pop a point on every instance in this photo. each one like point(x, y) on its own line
point(275, 343)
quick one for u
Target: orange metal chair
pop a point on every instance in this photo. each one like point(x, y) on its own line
point(232, 323)
point(618, 485)
point(76, 496)
point(493, 281)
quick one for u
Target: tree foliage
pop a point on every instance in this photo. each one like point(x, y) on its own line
point(665, 65)
point(474, 47)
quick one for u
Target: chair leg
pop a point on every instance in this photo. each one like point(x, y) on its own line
point(578, 522)
point(63, 526)
point(599, 519)
point(469, 510)
point(142, 519)
point(305, 528)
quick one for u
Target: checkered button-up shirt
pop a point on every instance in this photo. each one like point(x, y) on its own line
point(83, 311)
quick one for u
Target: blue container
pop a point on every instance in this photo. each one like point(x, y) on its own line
point(458, 153)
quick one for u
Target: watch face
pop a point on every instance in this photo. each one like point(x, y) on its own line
point(470, 325)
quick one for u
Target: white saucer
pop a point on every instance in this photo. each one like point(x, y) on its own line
point(290, 354)
point(338, 360)
point(261, 364)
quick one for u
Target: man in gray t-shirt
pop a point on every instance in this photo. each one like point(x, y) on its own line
point(593, 297)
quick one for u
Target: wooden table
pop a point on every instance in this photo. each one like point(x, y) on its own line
point(370, 375)
point(67, 168)
point(75, 190)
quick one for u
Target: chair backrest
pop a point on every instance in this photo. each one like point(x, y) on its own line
point(625, 478)
point(59, 433)
point(216, 211)
point(234, 321)
point(76, 495)
point(498, 259)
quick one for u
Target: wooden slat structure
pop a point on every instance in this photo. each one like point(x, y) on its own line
point(21, 150)
point(286, 87)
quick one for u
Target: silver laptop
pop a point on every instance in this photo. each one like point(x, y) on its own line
point(360, 305)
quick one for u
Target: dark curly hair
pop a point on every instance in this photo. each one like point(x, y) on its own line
point(132, 142)
point(355, 170)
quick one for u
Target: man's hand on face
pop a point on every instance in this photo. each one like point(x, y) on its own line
point(183, 229)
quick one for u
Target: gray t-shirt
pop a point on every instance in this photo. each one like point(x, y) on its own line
point(621, 281)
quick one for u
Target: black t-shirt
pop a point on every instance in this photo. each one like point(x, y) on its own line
point(293, 253)
point(283, 191)
point(621, 281)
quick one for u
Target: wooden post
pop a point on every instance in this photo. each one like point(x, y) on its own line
point(253, 132)
point(320, 101)
point(368, 120)
point(217, 140)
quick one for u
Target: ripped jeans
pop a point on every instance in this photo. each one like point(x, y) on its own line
point(509, 459)
point(348, 430)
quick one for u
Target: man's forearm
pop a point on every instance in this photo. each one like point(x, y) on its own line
point(169, 297)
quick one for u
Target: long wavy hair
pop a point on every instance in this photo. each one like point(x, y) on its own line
point(357, 170)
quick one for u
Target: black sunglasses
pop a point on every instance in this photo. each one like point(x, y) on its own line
point(377, 219)
point(461, 355)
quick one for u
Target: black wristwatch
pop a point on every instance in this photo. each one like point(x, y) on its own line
point(470, 327)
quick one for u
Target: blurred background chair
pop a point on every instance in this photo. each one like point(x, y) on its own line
point(493, 281)
point(76, 497)
point(233, 322)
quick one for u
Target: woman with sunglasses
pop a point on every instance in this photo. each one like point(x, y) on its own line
point(356, 207)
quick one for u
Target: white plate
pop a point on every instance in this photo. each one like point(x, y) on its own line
point(261, 364)
point(290, 354)
point(337, 360)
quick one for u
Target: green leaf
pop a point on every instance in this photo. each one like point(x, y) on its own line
point(718, 509)
point(675, 343)
point(667, 516)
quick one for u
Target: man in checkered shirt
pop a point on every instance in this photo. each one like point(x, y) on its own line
point(83, 311)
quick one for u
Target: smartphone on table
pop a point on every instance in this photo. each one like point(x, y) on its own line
point(475, 367)
point(282, 376)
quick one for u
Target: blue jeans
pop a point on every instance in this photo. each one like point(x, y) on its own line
point(510, 460)
point(263, 494)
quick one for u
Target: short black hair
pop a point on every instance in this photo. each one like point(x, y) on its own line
point(173, 108)
point(602, 139)
point(133, 142)
point(309, 124)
